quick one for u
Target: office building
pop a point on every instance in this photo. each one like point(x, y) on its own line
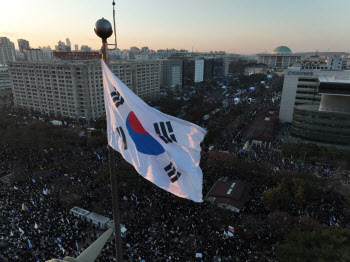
point(198, 70)
point(74, 89)
point(23, 45)
point(68, 43)
point(76, 48)
point(7, 51)
point(215, 67)
point(171, 73)
point(208, 68)
point(218, 67)
point(281, 57)
point(315, 99)
point(227, 66)
point(300, 87)
point(328, 122)
point(5, 82)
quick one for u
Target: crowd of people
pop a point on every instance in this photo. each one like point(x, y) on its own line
point(36, 224)
point(160, 227)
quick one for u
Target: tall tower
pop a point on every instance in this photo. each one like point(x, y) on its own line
point(68, 42)
point(7, 51)
point(22, 45)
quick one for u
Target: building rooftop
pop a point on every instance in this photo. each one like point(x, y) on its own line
point(80, 211)
point(334, 79)
point(282, 50)
point(97, 217)
point(230, 192)
point(280, 54)
point(263, 126)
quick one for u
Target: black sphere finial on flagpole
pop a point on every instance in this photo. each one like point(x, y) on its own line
point(103, 29)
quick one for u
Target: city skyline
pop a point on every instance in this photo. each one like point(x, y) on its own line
point(231, 26)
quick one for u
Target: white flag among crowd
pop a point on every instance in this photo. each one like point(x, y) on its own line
point(163, 149)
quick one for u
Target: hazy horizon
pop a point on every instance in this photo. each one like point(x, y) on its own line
point(233, 26)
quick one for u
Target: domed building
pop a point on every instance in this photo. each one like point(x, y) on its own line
point(281, 50)
point(281, 57)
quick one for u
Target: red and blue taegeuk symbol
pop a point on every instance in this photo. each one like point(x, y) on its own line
point(144, 142)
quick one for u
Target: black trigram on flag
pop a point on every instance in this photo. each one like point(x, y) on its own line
point(162, 130)
point(122, 135)
point(117, 98)
point(171, 171)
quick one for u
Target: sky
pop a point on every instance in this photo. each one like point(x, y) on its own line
point(234, 26)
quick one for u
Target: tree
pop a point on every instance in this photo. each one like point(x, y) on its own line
point(237, 66)
point(277, 83)
point(322, 244)
point(291, 190)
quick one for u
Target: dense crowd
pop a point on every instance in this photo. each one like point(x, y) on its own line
point(36, 226)
point(160, 227)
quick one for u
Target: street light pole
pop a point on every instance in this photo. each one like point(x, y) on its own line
point(103, 29)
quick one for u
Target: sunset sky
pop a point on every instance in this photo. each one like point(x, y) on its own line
point(234, 26)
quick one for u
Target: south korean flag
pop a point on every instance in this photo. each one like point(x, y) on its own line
point(163, 149)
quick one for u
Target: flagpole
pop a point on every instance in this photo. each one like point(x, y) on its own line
point(103, 29)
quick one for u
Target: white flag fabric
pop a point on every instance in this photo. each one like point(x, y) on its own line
point(163, 149)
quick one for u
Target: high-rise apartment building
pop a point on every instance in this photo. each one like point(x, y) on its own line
point(145, 78)
point(23, 45)
point(5, 82)
point(7, 51)
point(33, 55)
point(74, 89)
